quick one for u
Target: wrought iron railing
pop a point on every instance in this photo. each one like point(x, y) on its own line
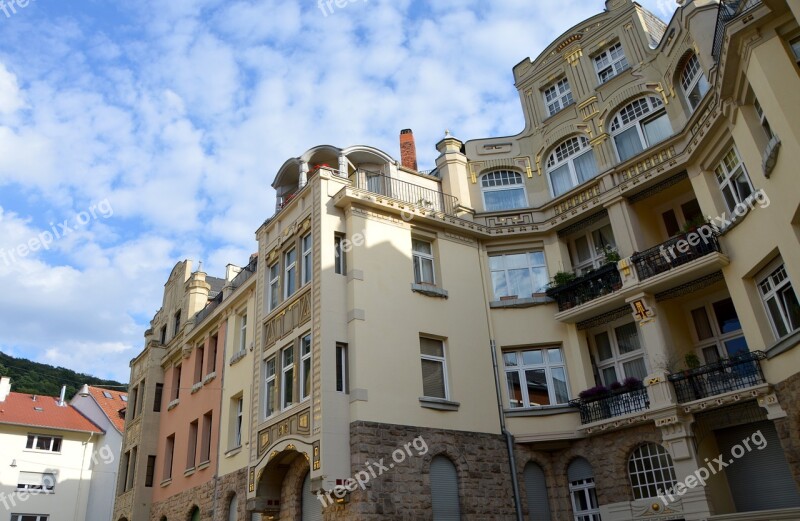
point(667, 255)
point(206, 311)
point(404, 191)
point(727, 11)
point(729, 374)
point(611, 406)
point(245, 274)
point(588, 287)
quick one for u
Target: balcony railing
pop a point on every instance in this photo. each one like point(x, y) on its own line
point(210, 307)
point(729, 374)
point(404, 191)
point(667, 255)
point(245, 274)
point(611, 406)
point(585, 288)
point(728, 10)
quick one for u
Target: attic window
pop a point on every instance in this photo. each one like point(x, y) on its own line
point(124, 398)
point(38, 409)
point(108, 395)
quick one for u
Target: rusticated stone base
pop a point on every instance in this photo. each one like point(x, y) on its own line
point(213, 498)
point(788, 428)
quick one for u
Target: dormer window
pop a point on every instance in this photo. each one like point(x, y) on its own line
point(640, 125)
point(557, 96)
point(503, 190)
point(693, 82)
point(610, 63)
point(570, 164)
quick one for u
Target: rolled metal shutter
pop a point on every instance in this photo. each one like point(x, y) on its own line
point(579, 469)
point(444, 490)
point(311, 506)
point(761, 479)
point(536, 488)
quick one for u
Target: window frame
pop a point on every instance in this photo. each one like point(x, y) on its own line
point(762, 119)
point(271, 377)
point(776, 291)
point(287, 368)
point(503, 187)
point(238, 422)
point(794, 48)
point(437, 359)
point(33, 441)
point(42, 488)
point(568, 160)
point(588, 489)
point(597, 257)
point(243, 331)
point(520, 368)
point(339, 254)
point(655, 110)
point(560, 99)
point(21, 517)
point(307, 259)
point(419, 258)
point(718, 339)
point(697, 80)
point(532, 273)
point(726, 177)
point(342, 373)
point(618, 359)
point(306, 367)
point(643, 472)
point(289, 272)
point(612, 62)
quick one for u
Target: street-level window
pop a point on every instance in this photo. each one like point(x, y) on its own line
point(780, 300)
point(619, 354)
point(651, 471)
point(536, 377)
point(557, 96)
point(434, 368)
point(582, 491)
point(518, 274)
point(610, 63)
point(733, 179)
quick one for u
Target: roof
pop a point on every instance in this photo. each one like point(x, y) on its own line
point(216, 284)
point(21, 409)
point(112, 404)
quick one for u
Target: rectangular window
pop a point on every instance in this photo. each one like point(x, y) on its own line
point(718, 331)
point(205, 445)
point(423, 262)
point(619, 354)
point(274, 286)
point(795, 45)
point(151, 470)
point(169, 453)
point(308, 267)
point(159, 395)
point(270, 391)
point(518, 274)
point(135, 402)
point(287, 377)
point(199, 358)
point(140, 398)
point(238, 417)
point(163, 335)
point(176, 383)
point(43, 443)
point(122, 481)
point(290, 273)
point(305, 367)
point(30, 517)
point(733, 179)
point(213, 344)
point(610, 62)
point(780, 300)
point(38, 481)
point(557, 96)
point(177, 323)
point(536, 377)
point(434, 368)
point(341, 368)
point(339, 262)
point(191, 448)
point(588, 250)
point(132, 469)
point(763, 120)
point(243, 332)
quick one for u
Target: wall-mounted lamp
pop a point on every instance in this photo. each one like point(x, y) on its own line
point(13, 464)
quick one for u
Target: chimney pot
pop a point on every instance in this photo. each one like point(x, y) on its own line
point(5, 388)
point(408, 149)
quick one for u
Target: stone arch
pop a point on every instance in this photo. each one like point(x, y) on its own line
point(279, 480)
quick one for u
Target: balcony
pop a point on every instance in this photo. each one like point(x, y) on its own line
point(728, 10)
point(727, 375)
point(612, 405)
point(586, 288)
point(406, 192)
point(245, 274)
point(675, 252)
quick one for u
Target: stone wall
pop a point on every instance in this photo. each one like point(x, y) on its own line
point(788, 428)
point(227, 486)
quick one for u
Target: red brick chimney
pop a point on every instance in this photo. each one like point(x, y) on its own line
point(408, 149)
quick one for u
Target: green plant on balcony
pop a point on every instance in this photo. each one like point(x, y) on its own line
point(692, 361)
point(562, 278)
point(694, 224)
point(610, 254)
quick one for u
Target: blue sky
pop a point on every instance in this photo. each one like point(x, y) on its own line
point(137, 134)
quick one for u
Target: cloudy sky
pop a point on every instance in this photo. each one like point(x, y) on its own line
point(135, 134)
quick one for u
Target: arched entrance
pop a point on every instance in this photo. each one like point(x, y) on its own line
point(283, 487)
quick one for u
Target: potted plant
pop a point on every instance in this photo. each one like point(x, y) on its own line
point(632, 383)
point(610, 254)
point(692, 361)
point(594, 393)
point(563, 278)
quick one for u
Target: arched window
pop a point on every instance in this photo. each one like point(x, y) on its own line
point(582, 492)
point(536, 487)
point(570, 164)
point(693, 82)
point(640, 125)
point(651, 471)
point(444, 490)
point(195, 515)
point(233, 508)
point(503, 190)
point(311, 507)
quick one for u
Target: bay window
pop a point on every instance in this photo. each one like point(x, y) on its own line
point(536, 377)
point(733, 179)
point(518, 274)
point(780, 299)
point(640, 125)
point(570, 164)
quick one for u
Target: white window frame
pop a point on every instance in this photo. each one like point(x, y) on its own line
point(728, 169)
point(772, 283)
point(597, 257)
point(38, 517)
point(499, 181)
point(520, 368)
point(557, 96)
point(718, 339)
point(439, 359)
point(238, 421)
point(693, 77)
point(289, 272)
point(306, 367)
point(342, 361)
point(287, 368)
point(618, 359)
point(420, 258)
point(645, 463)
point(537, 273)
point(270, 378)
point(652, 110)
point(243, 332)
point(340, 260)
point(585, 487)
point(35, 442)
point(566, 153)
point(762, 118)
point(306, 245)
point(274, 286)
point(604, 61)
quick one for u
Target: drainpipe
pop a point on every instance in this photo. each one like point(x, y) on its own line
point(493, 351)
point(80, 478)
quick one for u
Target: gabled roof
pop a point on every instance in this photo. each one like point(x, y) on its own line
point(112, 406)
point(21, 409)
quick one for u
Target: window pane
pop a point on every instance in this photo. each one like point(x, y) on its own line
point(536, 381)
point(505, 199)
point(536, 258)
point(561, 180)
point(791, 306)
point(736, 346)
point(628, 143)
point(514, 390)
point(431, 347)
point(585, 166)
point(635, 368)
point(554, 356)
point(604, 237)
point(691, 211)
point(730, 198)
point(603, 344)
point(560, 384)
point(743, 186)
point(288, 387)
point(609, 375)
point(727, 319)
point(777, 319)
point(499, 284)
point(582, 249)
point(421, 246)
point(510, 359)
point(701, 324)
point(671, 223)
point(710, 354)
point(496, 263)
point(520, 283)
point(627, 338)
point(516, 261)
point(657, 130)
point(433, 379)
point(423, 270)
point(540, 279)
point(532, 357)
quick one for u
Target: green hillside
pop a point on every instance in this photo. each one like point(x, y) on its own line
point(45, 380)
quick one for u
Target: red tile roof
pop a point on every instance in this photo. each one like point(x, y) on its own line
point(111, 406)
point(20, 409)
